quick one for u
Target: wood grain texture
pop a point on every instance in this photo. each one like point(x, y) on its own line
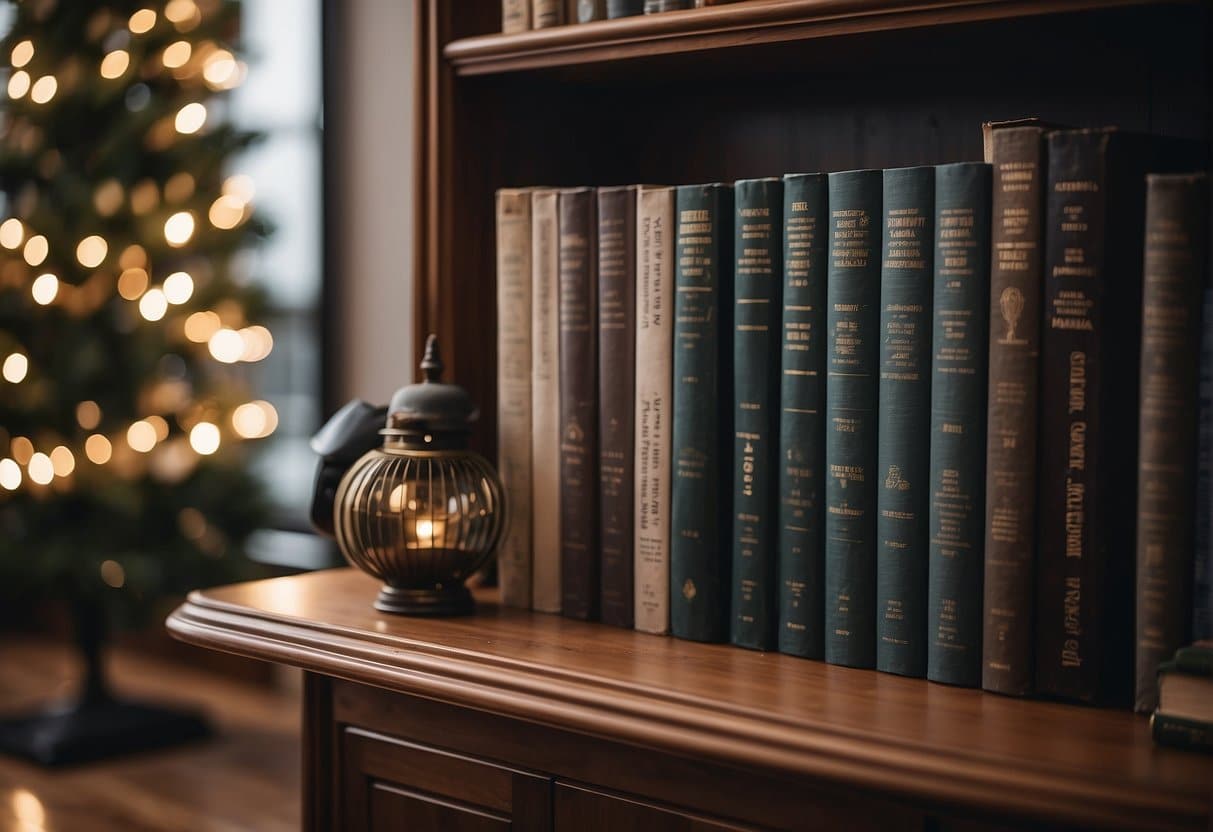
point(788, 716)
point(246, 777)
point(743, 24)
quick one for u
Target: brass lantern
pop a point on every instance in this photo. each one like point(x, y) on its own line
point(422, 512)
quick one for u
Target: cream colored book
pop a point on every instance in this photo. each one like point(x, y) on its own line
point(545, 402)
point(654, 346)
point(514, 391)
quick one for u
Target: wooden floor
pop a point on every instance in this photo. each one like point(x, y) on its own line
point(246, 778)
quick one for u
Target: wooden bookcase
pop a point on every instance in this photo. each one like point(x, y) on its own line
point(761, 87)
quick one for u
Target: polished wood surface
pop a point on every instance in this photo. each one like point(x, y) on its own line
point(781, 714)
point(245, 778)
point(750, 23)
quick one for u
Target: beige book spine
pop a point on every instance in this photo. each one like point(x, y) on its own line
point(545, 403)
point(546, 13)
point(654, 345)
point(515, 15)
point(514, 391)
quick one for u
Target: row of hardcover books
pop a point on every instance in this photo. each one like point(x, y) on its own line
point(520, 15)
point(886, 418)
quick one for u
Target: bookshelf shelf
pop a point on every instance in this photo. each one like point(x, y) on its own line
point(746, 24)
point(570, 698)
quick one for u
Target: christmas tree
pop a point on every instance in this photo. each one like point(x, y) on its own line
point(126, 328)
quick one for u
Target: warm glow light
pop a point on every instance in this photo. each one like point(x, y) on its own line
point(179, 187)
point(226, 212)
point(177, 54)
point(254, 420)
point(23, 53)
point(107, 199)
point(44, 289)
point(41, 469)
point(132, 283)
point(22, 449)
point(15, 367)
point(178, 287)
point(220, 68)
point(36, 249)
point(133, 256)
point(28, 810)
point(141, 436)
point(144, 196)
point(115, 64)
point(183, 13)
point(98, 449)
point(113, 574)
point(63, 461)
point(153, 305)
point(44, 89)
point(200, 326)
point(179, 228)
point(18, 84)
point(159, 425)
point(240, 186)
point(190, 118)
point(12, 232)
point(227, 346)
point(10, 474)
point(91, 251)
point(258, 342)
point(88, 414)
point(142, 21)
point(204, 438)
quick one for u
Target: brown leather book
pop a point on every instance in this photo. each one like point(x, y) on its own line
point(547, 13)
point(545, 402)
point(578, 269)
point(515, 15)
point(1090, 351)
point(1016, 277)
point(1176, 242)
point(616, 393)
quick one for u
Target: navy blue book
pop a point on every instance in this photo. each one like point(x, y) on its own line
point(958, 422)
point(852, 358)
point(903, 455)
point(802, 395)
point(757, 315)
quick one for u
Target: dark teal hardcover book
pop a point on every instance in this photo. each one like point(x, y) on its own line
point(757, 313)
point(852, 358)
point(958, 422)
point(802, 438)
point(903, 455)
point(703, 407)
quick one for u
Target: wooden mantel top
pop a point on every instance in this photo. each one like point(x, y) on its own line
point(866, 729)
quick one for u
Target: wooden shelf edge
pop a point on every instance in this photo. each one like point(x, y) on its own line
point(744, 24)
point(697, 729)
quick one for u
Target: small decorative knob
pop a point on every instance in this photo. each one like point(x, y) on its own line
point(431, 362)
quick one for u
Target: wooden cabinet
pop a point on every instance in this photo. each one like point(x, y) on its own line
point(520, 720)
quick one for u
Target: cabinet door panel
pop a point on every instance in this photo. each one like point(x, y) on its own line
point(579, 809)
point(394, 810)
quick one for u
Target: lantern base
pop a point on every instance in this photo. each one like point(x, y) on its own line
point(436, 602)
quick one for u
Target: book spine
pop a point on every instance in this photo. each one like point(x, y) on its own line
point(802, 416)
point(758, 302)
point(514, 391)
point(1177, 732)
point(545, 402)
point(852, 359)
point(958, 422)
point(616, 397)
point(547, 13)
point(515, 16)
point(578, 262)
point(1202, 585)
point(590, 10)
point(624, 8)
point(1174, 276)
point(903, 459)
point(653, 406)
point(1016, 278)
point(656, 6)
point(1088, 414)
point(702, 440)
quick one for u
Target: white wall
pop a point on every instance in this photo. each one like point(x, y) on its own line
point(375, 181)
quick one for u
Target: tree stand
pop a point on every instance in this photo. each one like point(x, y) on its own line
point(95, 725)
